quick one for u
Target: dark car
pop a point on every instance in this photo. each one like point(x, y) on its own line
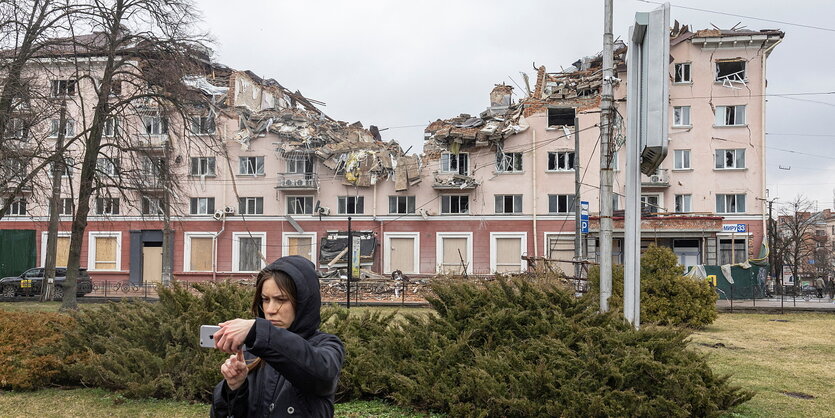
point(30, 281)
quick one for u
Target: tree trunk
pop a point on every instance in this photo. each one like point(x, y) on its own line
point(58, 169)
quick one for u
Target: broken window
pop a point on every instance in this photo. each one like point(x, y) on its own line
point(682, 159)
point(350, 205)
point(455, 163)
point(202, 166)
point(155, 125)
point(300, 205)
point(508, 162)
point(730, 70)
point(111, 124)
point(202, 125)
point(69, 128)
point(17, 128)
point(561, 203)
point(62, 88)
point(299, 164)
point(251, 166)
point(107, 206)
point(151, 205)
point(202, 205)
point(559, 161)
point(732, 251)
point(683, 203)
point(508, 203)
point(730, 203)
point(251, 205)
point(107, 166)
point(402, 204)
point(730, 115)
point(452, 204)
point(649, 203)
point(681, 115)
point(682, 73)
point(560, 116)
point(730, 158)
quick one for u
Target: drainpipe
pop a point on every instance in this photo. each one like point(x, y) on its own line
point(762, 126)
point(214, 248)
point(535, 198)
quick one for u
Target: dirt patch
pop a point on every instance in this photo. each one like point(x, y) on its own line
point(798, 395)
point(720, 345)
point(779, 320)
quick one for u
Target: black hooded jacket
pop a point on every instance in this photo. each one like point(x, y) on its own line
point(300, 365)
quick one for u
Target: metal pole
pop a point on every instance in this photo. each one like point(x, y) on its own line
point(350, 266)
point(578, 243)
point(606, 177)
point(632, 208)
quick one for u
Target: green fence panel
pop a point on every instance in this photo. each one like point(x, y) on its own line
point(747, 283)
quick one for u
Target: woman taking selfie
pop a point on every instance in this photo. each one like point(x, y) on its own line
point(289, 367)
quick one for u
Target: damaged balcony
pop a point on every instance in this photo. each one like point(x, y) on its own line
point(153, 143)
point(661, 179)
point(298, 181)
point(454, 182)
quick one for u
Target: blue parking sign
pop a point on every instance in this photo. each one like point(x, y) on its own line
point(584, 227)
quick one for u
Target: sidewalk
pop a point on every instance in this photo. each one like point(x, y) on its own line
point(772, 305)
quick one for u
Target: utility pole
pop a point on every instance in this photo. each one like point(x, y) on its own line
point(606, 175)
point(58, 169)
point(350, 266)
point(578, 239)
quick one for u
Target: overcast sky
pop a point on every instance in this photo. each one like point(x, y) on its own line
point(397, 64)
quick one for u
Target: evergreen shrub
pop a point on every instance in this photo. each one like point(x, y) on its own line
point(28, 359)
point(667, 297)
point(514, 348)
point(152, 350)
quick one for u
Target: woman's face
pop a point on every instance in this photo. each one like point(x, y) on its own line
point(276, 305)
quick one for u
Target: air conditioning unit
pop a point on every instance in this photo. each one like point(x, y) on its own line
point(655, 179)
point(219, 215)
point(300, 182)
point(229, 210)
point(324, 211)
point(288, 182)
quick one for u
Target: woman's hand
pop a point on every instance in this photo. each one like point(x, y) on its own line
point(234, 371)
point(232, 334)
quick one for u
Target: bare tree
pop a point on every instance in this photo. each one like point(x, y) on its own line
point(795, 235)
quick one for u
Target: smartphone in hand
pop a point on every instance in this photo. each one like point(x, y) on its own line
point(207, 335)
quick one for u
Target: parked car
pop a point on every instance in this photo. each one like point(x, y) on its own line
point(11, 286)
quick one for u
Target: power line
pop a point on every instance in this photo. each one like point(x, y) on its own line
point(790, 134)
point(782, 22)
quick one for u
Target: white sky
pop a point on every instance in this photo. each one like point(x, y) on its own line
point(397, 63)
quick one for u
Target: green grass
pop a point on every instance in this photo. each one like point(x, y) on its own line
point(101, 403)
point(773, 358)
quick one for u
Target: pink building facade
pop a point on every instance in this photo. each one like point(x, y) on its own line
point(488, 189)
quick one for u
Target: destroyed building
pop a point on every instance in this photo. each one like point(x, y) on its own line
point(488, 189)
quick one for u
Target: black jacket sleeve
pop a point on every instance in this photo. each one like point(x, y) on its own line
point(227, 403)
point(310, 365)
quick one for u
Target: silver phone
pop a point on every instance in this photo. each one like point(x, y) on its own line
point(207, 335)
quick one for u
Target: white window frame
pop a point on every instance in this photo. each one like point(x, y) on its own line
point(107, 202)
point(387, 236)
point(736, 158)
point(154, 125)
point(107, 166)
point(659, 206)
point(250, 205)
point(187, 250)
point(236, 248)
point(153, 203)
point(298, 164)
point(314, 242)
point(91, 250)
point(69, 128)
point(721, 115)
point(506, 162)
point(57, 90)
point(111, 126)
point(570, 205)
point(200, 122)
point(447, 196)
point(676, 67)
point(45, 237)
point(342, 205)
point(211, 169)
point(685, 198)
point(736, 202)
point(561, 158)
point(63, 206)
point(439, 249)
point(523, 243)
point(681, 117)
point(287, 204)
point(397, 204)
point(679, 157)
point(14, 207)
point(446, 162)
point(197, 212)
point(520, 198)
point(244, 165)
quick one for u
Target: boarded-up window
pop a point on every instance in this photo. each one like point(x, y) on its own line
point(508, 254)
point(302, 246)
point(451, 262)
point(105, 253)
point(62, 251)
point(402, 253)
point(562, 248)
point(250, 254)
point(201, 254)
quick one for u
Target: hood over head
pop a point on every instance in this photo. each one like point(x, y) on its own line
point(308, 299)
